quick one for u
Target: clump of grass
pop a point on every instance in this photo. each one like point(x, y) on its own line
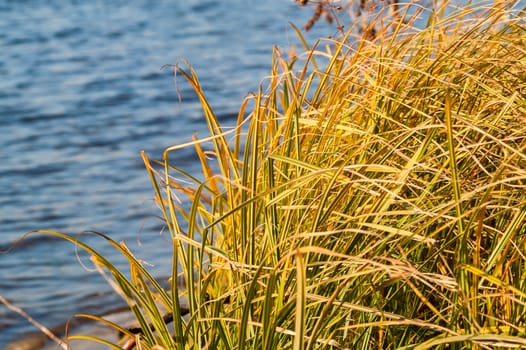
point(374, 197)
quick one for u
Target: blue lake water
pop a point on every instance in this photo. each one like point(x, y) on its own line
point(82, 92)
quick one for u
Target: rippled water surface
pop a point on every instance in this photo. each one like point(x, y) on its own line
point(82, 92)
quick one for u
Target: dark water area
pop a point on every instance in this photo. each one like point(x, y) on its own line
point(82, 92)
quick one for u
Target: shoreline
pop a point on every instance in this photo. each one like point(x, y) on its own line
point(76, 325)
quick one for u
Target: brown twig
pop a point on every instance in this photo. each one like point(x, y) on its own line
point(316, 16)
point(167, 318)
point(37, 324)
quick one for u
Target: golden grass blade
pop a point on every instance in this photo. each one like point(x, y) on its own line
point(301, 282)
point(492, 340)
point(96, 340)
point(115, 326)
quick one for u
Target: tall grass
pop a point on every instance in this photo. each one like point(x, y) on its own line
point(372, 196)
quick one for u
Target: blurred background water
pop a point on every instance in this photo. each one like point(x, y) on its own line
point(82, 92)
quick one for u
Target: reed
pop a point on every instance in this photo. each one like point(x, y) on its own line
point(372, 194)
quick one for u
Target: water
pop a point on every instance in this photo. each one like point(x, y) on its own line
point(82, 92)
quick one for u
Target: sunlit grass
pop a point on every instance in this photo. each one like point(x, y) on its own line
point(371, 196)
